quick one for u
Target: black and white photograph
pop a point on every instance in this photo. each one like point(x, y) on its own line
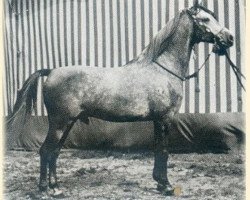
point(124, 99)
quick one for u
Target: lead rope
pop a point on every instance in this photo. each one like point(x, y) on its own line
point(194, 75)
point(236, 71)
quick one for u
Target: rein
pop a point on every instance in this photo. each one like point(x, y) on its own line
point(194, 75)
point(236, 70)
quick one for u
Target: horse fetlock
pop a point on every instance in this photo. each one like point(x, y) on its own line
point(166, 189)
point(160, 176)
point(53, 183)
point(162, 152)
point(43, 185)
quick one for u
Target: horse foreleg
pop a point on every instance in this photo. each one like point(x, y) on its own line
point(161, 157)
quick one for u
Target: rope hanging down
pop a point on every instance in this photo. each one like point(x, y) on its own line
point(195, 74)
point(236, 70)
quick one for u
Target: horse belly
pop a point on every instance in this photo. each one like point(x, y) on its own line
point(95, 100)
point(117, 108)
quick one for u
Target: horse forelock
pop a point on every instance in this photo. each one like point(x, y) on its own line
point(206, 10)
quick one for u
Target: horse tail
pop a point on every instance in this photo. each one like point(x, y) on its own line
point(27, 96)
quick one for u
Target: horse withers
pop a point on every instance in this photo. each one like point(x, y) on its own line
point(149, 88)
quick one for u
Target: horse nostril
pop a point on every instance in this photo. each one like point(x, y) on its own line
point(231, 38)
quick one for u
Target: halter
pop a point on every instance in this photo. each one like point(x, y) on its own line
point(192, 12)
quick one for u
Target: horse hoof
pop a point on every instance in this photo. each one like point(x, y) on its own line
point(57, 193)
point(167, 190)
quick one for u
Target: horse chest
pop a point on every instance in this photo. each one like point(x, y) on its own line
point(165, 99)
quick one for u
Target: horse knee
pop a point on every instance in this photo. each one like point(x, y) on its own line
point(49, 153)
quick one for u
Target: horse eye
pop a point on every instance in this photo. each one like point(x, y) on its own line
point(206, 19)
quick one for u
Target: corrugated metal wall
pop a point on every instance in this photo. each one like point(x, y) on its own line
point(108, 33)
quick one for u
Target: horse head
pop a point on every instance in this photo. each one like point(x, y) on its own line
point(208, 29)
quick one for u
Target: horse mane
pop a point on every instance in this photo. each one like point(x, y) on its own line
point(160, 41)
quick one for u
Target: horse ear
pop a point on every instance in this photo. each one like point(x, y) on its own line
point(196, 3)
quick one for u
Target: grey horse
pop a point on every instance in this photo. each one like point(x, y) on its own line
point(147, 88)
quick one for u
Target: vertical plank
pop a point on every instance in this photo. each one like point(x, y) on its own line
point(111, 32)
point(126, 27)
point(18, 44)
point(142, 25)
point(91, 33)
point(71, 11)
point(83, 35)
point(43, 41)
point(75, 7)
point(104, 34)
point(69, 33)
point(116, 39)
point(79, 31)
point(99, 39)
point(139, 27)
point(130, 25)
point(238, 42)
point(38, 52)
point(58, 36)
point(107, 39)
point(150, 19)
point(12, 54)
point(228, 77)
point(187, 83)
point(7, 58)
point(167, 6)
point(207, 73)
point(87, 29)
point(122, 32)
point(233, 81)
point(119, 32)
point(159, 12)
point(51, 33)
point(223, 92)
point(66, 62)
point(96, 31)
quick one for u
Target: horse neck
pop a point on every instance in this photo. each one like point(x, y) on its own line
point(172, 46)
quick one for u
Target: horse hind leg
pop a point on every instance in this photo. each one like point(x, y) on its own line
point(45, 156)
point(49, 153)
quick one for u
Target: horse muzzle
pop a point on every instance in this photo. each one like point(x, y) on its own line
point(223, 40)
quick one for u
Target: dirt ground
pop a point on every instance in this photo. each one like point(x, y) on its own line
point(120, 175)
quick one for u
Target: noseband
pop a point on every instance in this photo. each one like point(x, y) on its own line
point(192, 12)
